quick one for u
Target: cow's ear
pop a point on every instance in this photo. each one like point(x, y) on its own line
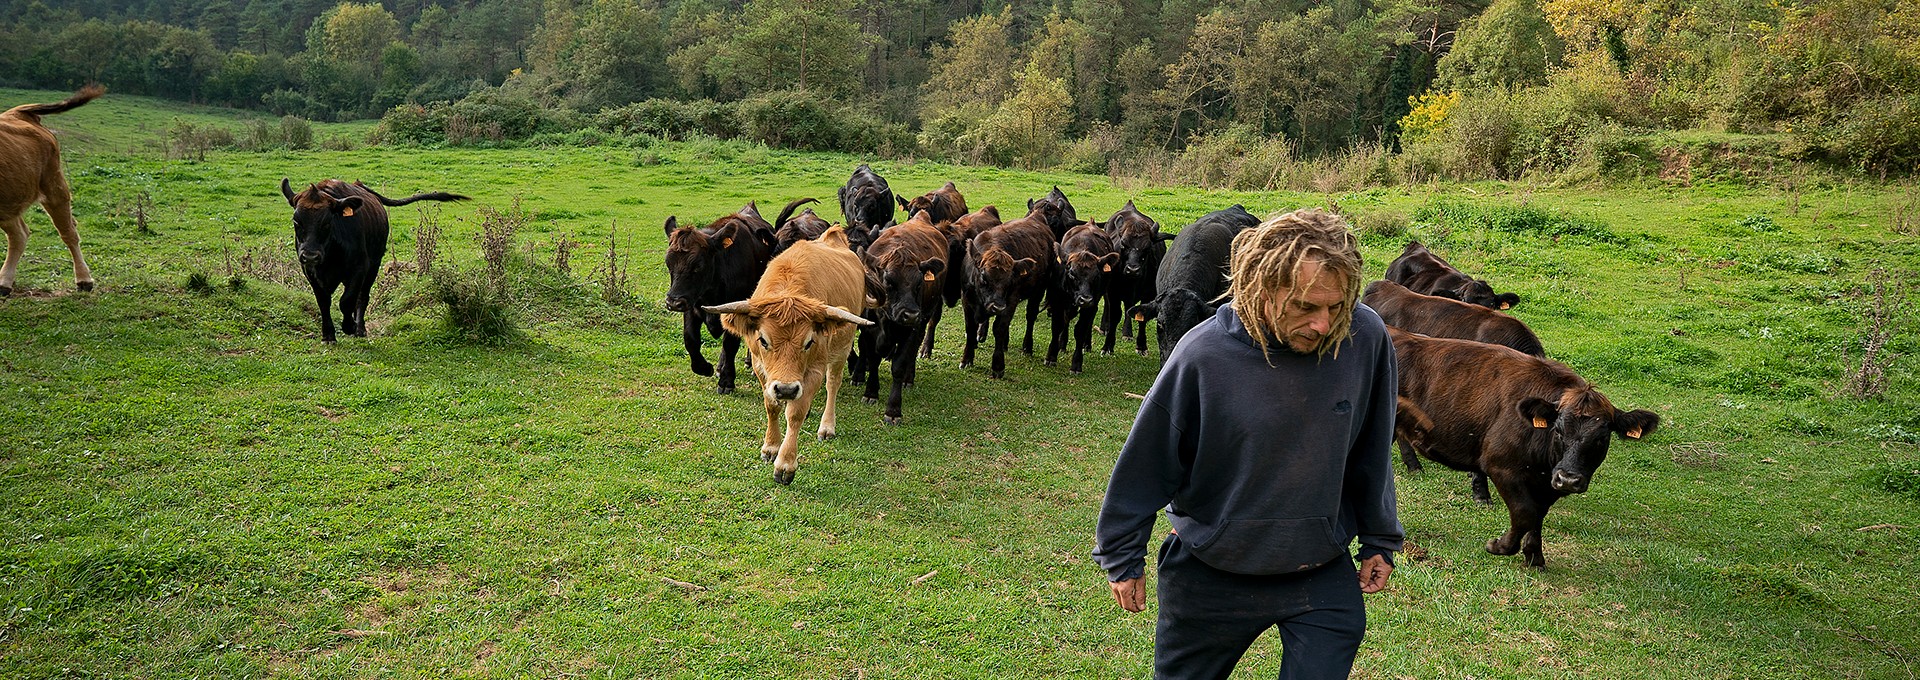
point(346, 206)
point(1507, 300)
point(931, 269)
point(902, 200)
point(1144, 312)
point(673, 225)
point(876, 288)
point(1029, 205)
point(1024, 266)
point(1635, 424)
point(990, 210)
point(1108, 261)
point(766, 237)
point(1164, 237)
point(1540, 411)
point(286, 189)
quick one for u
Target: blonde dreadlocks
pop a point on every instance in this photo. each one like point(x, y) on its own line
point(1266, 264)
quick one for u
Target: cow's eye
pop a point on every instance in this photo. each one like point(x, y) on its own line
point(809, 344)
point(763, 343)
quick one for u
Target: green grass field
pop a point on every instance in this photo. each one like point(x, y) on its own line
point(192, 485)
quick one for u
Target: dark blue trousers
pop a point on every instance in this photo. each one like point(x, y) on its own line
point(1209, 617)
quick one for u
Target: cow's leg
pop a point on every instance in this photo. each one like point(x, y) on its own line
point(920, 332)
point(830, 415)
point(1033, 314)
point(16, 229)
point(59, 205)
point(729, 349)
point(690, 338)
point(1524, 513)
point(1480, 495)
point(364, 298)
point(1140, 339)
point(926, 348)
point(1408, 456)
point(867, 372)
point(770, 443)
point(972, 321)
point(1083, 337)
point(323, 295)
point(1109, 317)
point(788, 458)
point(903, 365)
point(1002, 324)
point(1057, 335)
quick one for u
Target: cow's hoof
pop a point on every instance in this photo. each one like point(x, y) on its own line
point(1537, 562)
point(768, 453)
point(870, 400)
point(723, 389)
point(1074, 371)
point(6, 291)
point(704, 371)
point(1141, 352)
point(1494, 546)
point(1484, 500)
point(1106, 352)
point(85, 286)
point(893, 421)
point(783, 477)
point(825, 435)
point(997, 375)
point(966, 364)
point(1050, 363)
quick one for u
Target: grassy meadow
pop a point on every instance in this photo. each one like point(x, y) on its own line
point(192, 485)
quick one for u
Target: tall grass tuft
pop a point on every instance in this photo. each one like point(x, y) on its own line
point(1882, 315)
point(612, 272)
point(426, 240)
point(498, 229)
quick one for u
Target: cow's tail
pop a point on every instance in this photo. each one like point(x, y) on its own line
point(787, 212)
point(433, 196)
point(33, 112)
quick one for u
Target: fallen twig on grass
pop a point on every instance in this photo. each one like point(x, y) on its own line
point(923, 577)
point(1877, 527)
point(684, 585)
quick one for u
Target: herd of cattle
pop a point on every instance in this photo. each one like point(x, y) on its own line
point(1476, 391)
point(815, 301)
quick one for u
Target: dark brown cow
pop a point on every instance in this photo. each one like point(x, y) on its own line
point(805, 226)
point(30, 173)
point(960, 234)
point(1005, 265)
point(1532, 426)
point(1082, 275)
point(1056, 210)
point(340, 236)
point(1142, 246)
point(944, 204)
point(1449, 318)
point(866, 202)
point(720, 262)
point(908, 265)
point(801, 328)
point(1423, 272)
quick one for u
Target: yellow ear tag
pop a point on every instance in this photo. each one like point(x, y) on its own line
point(1504, 305)
point(347, 213)
point(1106, 267)
point(1633, 433)
point(928, 277)
point(726, 242)
point(1539, 421)
point(1139, 317)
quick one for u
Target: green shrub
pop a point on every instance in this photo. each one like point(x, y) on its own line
point(478, 309)
point(1880, 136)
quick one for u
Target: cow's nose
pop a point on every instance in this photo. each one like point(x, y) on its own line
point(995, 308)
point(1082, 300)
point(309, 257)
point(909, 316)
point(1132, 268)
point(786, 390)
point(1569, 482)
point(676, 304)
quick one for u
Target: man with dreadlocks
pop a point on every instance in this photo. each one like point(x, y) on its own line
point(1265, 439)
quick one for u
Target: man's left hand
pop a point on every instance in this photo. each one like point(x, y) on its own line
point(1373, 574)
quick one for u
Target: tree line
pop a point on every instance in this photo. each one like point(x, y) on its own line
point(1463, 87)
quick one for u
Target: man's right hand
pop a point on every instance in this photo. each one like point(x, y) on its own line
point(1130, 594)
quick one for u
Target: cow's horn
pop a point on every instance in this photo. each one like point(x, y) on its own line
point(847, 316)
point(741, 307)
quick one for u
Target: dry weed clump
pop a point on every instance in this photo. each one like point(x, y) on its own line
point(1882, 316)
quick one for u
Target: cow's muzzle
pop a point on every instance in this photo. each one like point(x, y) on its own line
point(907, 317)
point(1569, 482)
point(784, 391)
point(1082, 300)
point(1131, 269)
point(676, 304)
point(996, 307)
point(310, 257)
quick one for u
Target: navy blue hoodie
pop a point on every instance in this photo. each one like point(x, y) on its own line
point(1262, 469)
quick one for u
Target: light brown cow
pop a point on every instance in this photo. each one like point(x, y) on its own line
point(798, 331)
point(30, 173)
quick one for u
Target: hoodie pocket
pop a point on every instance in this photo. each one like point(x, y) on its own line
point(1270, 546)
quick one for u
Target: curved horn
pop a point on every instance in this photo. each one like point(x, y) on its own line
point(286, 189)
point(741, 307)
point(844, 315)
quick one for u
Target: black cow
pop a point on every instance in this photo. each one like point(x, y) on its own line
point(1194, 275)
point(1057, 211)
point(340, 235)
point(1081, 277)
point(1532, 426)
point(866, 202)
point(960, 235)
point(1142, 246)
point(1423, 272)
point(711, 265)
point(1005, 265)
point(1443, 317)
point(906, 272)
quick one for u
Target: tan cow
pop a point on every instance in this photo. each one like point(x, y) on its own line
point(798, 331)
point(30, 173)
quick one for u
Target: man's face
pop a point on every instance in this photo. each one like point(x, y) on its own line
point(1304, 320)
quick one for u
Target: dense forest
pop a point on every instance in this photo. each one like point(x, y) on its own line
point(1444, 87)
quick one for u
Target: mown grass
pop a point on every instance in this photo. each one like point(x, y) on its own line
point(195, 486)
